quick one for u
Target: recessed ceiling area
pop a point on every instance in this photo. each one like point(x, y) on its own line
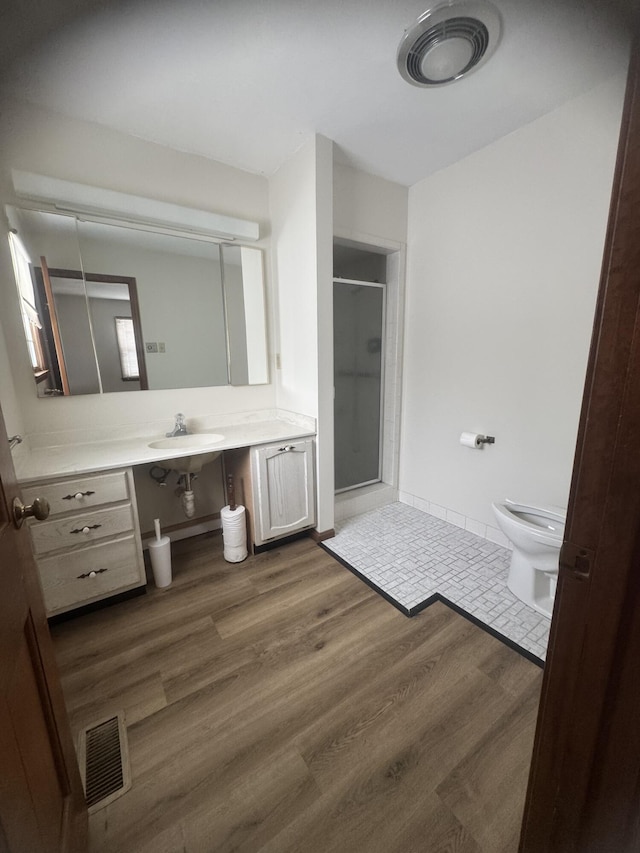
point(245, 82)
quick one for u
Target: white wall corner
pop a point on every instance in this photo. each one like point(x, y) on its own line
point(503, 263)
point(301, 207)
point(324, 261)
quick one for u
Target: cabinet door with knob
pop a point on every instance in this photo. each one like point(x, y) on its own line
point(89, 548)
point(284, 492)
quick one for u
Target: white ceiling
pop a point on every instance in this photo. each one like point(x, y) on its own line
point(246, 81)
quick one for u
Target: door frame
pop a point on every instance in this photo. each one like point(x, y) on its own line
point(99, 278)
point(584, 785)
point(386, 491)
point(382, 286)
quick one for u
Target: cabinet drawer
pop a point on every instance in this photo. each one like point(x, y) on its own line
point(116, 564)
point(74, 530)
point(74, 495)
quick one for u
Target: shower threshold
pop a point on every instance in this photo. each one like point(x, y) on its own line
point(358, 486)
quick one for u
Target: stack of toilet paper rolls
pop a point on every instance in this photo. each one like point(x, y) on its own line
point(234, 533)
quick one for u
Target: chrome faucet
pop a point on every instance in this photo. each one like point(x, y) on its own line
point(180, 428)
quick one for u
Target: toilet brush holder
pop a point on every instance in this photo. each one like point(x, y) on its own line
point(160, 555)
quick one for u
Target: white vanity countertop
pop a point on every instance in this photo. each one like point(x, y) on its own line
point(61, 460)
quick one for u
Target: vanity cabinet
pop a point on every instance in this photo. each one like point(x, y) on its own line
point(276, 483)
point(89, 548)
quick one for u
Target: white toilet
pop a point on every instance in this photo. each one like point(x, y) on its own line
point(536, 534)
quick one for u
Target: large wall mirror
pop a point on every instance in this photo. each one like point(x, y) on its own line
point(108, 307)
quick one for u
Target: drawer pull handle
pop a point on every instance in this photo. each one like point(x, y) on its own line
point(287, 448)
point(92, 573)
point(87, 529)
point(78, 496)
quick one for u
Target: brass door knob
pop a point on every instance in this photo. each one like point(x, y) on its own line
point(39, 510)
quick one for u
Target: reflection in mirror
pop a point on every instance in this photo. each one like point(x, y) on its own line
point(244, 303)
point(96, 320)
point(111, 308)
point(179, 288)
point(34, 237)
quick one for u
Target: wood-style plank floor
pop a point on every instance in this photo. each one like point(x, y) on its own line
point(280, 705)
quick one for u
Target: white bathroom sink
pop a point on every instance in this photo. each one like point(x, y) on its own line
point(187, 442)
point(189, 463)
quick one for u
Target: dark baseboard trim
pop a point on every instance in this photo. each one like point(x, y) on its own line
point(489, 630)
point(277, 543)
point(320, 535)
point(97, 605)
point(370, 583)
point(432, 599)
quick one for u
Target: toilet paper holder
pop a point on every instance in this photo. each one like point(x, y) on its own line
point(476, 440)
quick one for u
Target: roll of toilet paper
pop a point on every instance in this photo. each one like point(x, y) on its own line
point(234, 526)
point(235, 553)
point(234, 533)
point(471, 439)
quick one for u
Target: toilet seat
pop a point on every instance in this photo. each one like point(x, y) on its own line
point(557, 513)
point(515, 514)
point(544, 526)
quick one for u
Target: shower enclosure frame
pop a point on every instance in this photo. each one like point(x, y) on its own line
point(383, 358)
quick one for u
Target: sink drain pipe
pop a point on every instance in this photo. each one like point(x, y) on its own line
point(160, 474)
point(188, 498)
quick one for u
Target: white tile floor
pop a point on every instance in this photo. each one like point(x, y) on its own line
point(411, 556)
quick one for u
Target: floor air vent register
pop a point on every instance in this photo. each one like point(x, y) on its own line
point(103, 756)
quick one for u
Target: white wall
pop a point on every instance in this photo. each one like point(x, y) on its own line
point(302, 225)
point(504, 258)
point(73, 320)
point(292, 192)
point(368, 208)
point(36, 140)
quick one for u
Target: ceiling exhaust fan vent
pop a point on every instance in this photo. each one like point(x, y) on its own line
point(448, 42)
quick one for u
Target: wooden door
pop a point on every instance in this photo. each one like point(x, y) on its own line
point(584, 788)
point(42, 807)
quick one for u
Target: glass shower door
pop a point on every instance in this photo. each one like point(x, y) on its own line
point(358, 323)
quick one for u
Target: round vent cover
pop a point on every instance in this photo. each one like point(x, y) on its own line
point(447, 42)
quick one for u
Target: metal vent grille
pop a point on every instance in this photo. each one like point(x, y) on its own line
point(448, 41)
point(469, 29)
point(104, 761)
